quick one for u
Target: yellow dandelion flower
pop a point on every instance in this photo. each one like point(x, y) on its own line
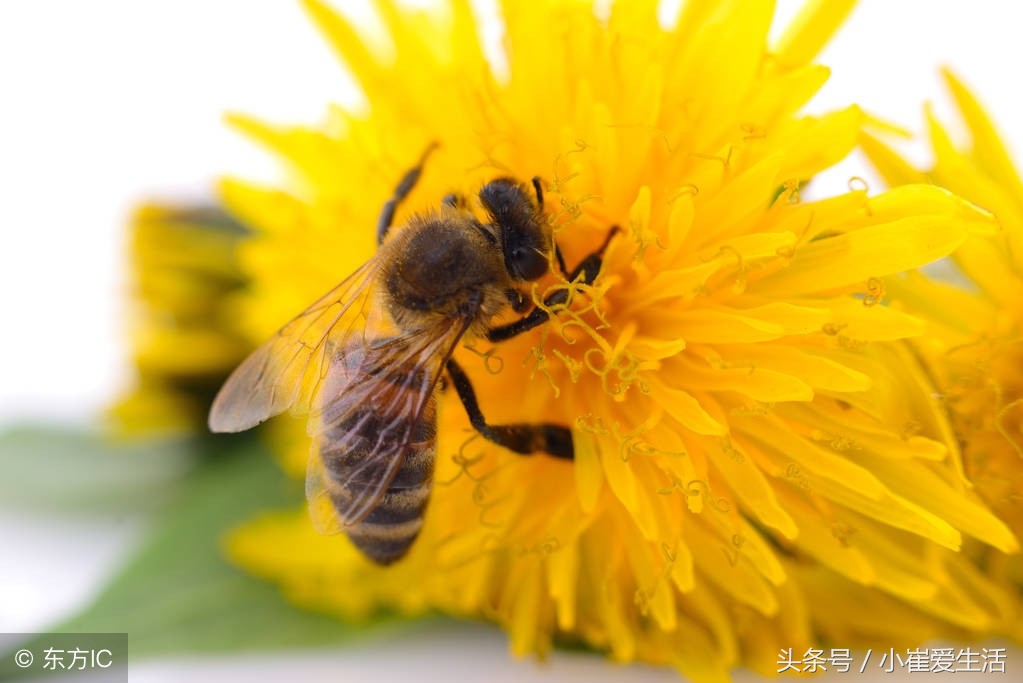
point(184, 266)
point(748, 426)
point(973, 342)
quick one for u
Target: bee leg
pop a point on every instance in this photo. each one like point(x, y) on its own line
point(587, 270)
point(408, 182)
point(517, 299)
point(561, 261)
point(525, 439)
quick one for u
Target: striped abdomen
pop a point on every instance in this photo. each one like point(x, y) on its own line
point(351, 453)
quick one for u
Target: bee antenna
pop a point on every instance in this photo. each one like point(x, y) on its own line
point(538, 188)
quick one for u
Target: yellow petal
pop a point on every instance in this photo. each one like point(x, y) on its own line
point(852, 319)
point(881, 248)
point(824, 141)
point(816, 370)
point(812, 28)
point(708, 325)
point(987, 144)
point(687, 410)
point(893, 168)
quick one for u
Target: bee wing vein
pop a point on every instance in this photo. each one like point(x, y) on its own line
point(387, 392)
point(276, 376)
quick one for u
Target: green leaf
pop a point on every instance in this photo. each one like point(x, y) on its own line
point(179, 595)
point(66, 470)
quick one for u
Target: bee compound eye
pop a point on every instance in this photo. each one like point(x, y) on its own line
point(527, 264)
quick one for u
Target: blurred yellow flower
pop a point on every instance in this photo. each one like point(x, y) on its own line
point(752, 437)
point(184, 267)
point(974, 343)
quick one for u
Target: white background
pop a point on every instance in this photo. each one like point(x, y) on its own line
point(105, 102)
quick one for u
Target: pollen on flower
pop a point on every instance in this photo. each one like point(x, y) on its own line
point(858, 184)
point(578, 325)
point(492, 360)
point(874, 293)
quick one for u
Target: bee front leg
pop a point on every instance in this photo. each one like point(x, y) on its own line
point(587, 270)
point(408, 181)
point(525, 439)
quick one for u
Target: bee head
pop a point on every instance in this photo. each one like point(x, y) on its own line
point(523, 227)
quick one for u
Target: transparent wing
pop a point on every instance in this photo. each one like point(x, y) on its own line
point(364, 385)
point(376, 409)
point(285, 373)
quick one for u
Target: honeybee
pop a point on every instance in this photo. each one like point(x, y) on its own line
point(365, 361)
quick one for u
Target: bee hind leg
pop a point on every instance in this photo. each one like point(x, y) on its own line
point(587, 270)
point(401, 191)
point(524, 439)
